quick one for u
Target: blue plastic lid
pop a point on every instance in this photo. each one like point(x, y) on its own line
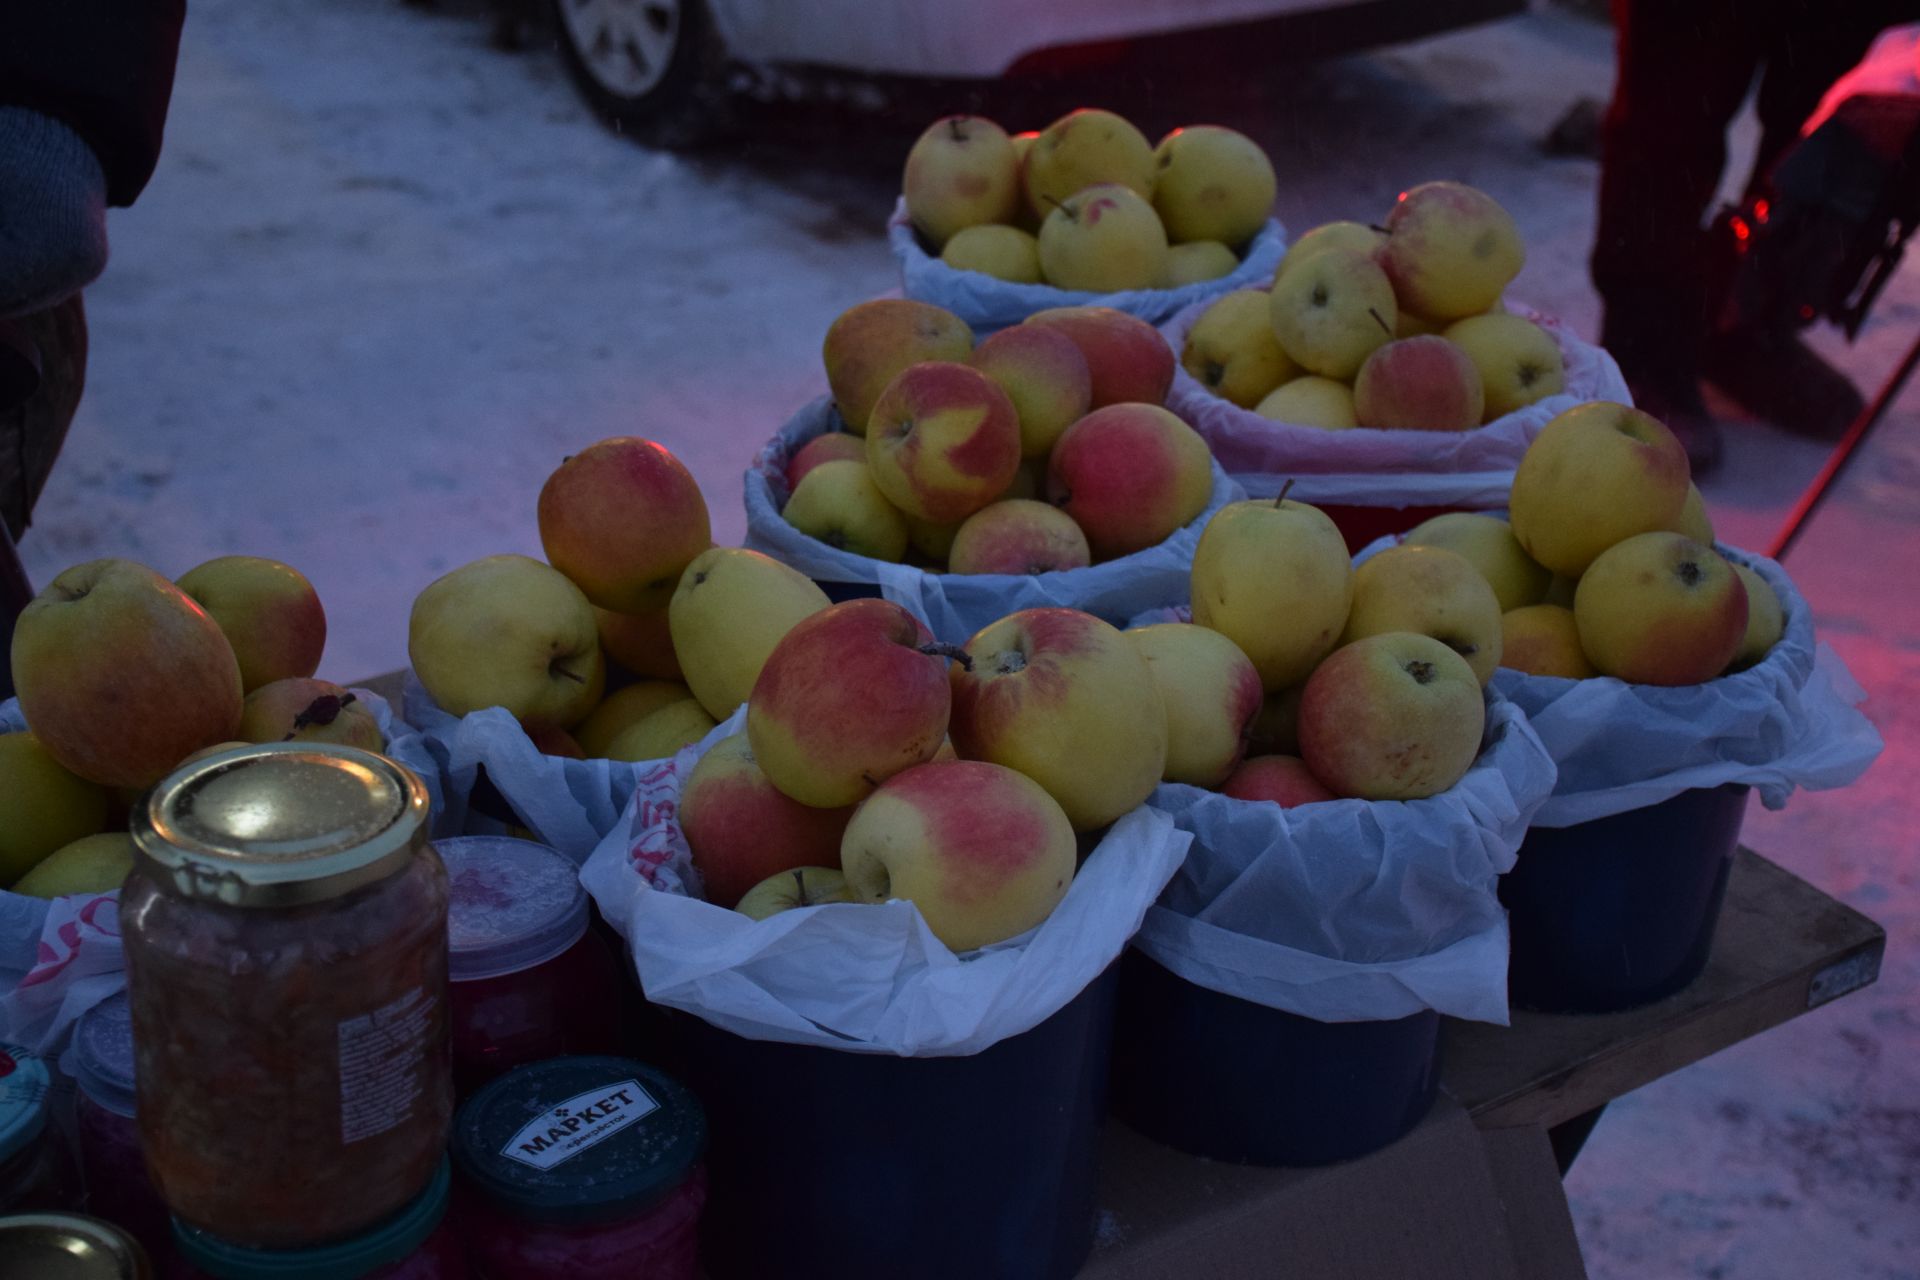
point(575, 1140)
point(24, 1080)
point(103, 1055)
point(511, 904)
point(384, 1245)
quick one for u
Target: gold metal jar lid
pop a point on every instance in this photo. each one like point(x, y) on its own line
point(280, 825)
point(66, 1246)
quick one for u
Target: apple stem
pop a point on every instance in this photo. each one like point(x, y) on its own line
point(800, 888)
point(1071, 215)
point(953, 127)
point(1374, 226)
point(1385, 327)
point(935, 649)
point(1281, 500)
point(554, 668)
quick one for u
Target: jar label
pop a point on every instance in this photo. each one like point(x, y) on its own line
point(584, 1120)
point(381, 1058)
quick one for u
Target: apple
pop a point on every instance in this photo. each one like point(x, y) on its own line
point(1103, 239)
point(1231, 350)
point(1356, 237)
point(1419, 384)
point(1310, 401)
point(624, 708)
point(1543, 640)
point(1276, 729)
point(268, 611)
point(1085, 148)
point(1432, 591)
point(622, 518)
point(1596, 475)
point(1451, 250)
point(305, 710)
point(1488, 544)
point(1127, 358)
point(1025, 218)
point(91, 864)
point(549, 741)
point(1560, 589)
point(850, 697)
point(43, 805)
point(931, 540)
point(1692, 519)
point(119, 673)
point(1332, 311)
point(1396, 716)
point(1275, 578)
point(1130, 475)
point(1211, 693)
point(508, 631)
point(1069, 701)
point(743, 830)
point(1660, 608)
point(960, 173)
point(1766, 620)
point(642, 643)
point(1519, 362)
point(800, 887)
point(1284, 780)
point(1046, 378)
point(1212, 183)
point(868, 346)
point(840, 504)
point(732, 607)
point(944, 441)
point(662, 733)
point(1005, 253)
point(831, 446)
point(1195, 262)
point(1018, 536)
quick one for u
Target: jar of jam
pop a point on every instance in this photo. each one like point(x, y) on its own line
point(35, 1171)
point(118, 1188)
point(529, 981)
point(415, 1244)
point(66, 1246)
point(286, 943)
point(584, 1167)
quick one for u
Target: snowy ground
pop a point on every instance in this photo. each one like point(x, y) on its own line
point(385, 279)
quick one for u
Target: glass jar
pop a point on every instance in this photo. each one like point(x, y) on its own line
point(118, 1188)
point(528, 980)
point(42, 1246)
point(417, 1243)
point(35, 1173)
point(582, 1167)
point(286, 940)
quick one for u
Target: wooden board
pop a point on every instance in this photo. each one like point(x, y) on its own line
point(1782, 948)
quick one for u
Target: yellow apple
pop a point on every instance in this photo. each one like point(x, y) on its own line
point(1231, 350)
point(868, 346)
point(1419, 384)
point(1044, 374)
point(622, 518)
point(1519, 362)
point(624, 708)
point(1130, 475)
point(1005, 253)
point(1103, 239)
point(1212, 183)
point(661, 733)
point(1084, 148)
point(829, 446)
point(1766, 621)
point(1434, 592)
point(960, 173)
point(304, 710)
point(1692, 519)
point(1596, 475)
point(268, 611)
point(731, 609)
point(1275, 578)
point(1396, 716)
point(1310, 401)
point(508, 631)
point(839, 504)
point(1543, 640)
point(1488, 544)
point(43, 805)
point(1660, 608)
point(1355, 236)
point(1333, 311)
point(1018, 536)
point(1451, 250)
point(800, 887)
point(91, 864)
point(1211, 693)
point(1195, 262)
point(742, 830)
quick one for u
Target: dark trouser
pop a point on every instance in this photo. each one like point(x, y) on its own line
point(1684, 68)
point(43, 368)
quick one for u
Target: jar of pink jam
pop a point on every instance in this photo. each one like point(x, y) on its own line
point(118, 1188)
point(584, 1167)
point(529, 980)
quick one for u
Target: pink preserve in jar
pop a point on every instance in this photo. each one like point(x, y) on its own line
point(584, 1168)
point(528, 979)
point(118, 1188)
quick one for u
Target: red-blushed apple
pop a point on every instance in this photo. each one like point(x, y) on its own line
point(1488, 544)
point(641, 643)
point(1274, 577)
point(1595, 475)
point(1356, 236)
point(1005, 253)
point(1659, 608)
point(1211, 693)
point(1451, 250)
point(1212, 183)
point(833, 446)
point(1284, 780)
point(982, 851)
point(1069, 701)
point(1045, 376)
point(624, 708)
point(1311, 401)
point(1419, 384)
point(869, 345)
point(1018, 536)
point(742, 829)
point(731, 609)
point(1332, 311)
point(1433, 591)
point(1195, 262)
point(1082, 148)
point(663, 733)
point(549, 741)
point(850, 697)
point(1276, 729)
point(622, 518)
point(840, 504)
point(306, 710)
point(1543, 640)
point(1231, 350)
point(1127, 359)
point(43, 805)
point(268, 611)
point(1766, 620)
point(1391, 717)
point(1102, 239)
point(800, 887)
point(119, 673)
point(943, 442)
point(1130, 475)
point(1519, 362)
point(960, 173)
point(508, 631)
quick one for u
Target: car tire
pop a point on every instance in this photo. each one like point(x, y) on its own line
point(653, 70)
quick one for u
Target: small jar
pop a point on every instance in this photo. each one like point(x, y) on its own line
point(528, 980)
point(35, 1174)
point(417, 1243)
point(42, 1246)
point(118, 1188)
point(286, 939)
point(582, 1167)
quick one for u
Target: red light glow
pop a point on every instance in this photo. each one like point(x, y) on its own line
point(1761, 209)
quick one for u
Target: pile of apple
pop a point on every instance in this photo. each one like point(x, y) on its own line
point(1086, 203)
point(123, 676)
point(950, 448)
point(1398, 326)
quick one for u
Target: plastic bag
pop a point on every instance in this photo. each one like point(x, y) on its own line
point(855, 977)
point(955, 605)
point(987, 303)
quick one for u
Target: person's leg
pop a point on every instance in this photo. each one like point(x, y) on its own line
point(32, 431)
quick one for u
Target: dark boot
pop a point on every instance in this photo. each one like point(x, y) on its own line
point(1777, 378)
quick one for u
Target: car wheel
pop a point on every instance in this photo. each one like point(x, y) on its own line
point(652, 69)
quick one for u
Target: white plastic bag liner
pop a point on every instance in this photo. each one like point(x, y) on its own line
point(955, 605)
point(987, 303)
point(59, 958)
point(1371, 467)
point(1791, 720)
point(856, 977)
